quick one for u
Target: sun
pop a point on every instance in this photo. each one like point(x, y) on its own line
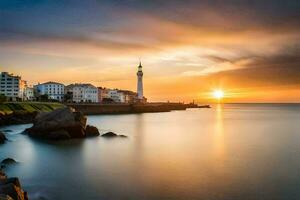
point(218, 94)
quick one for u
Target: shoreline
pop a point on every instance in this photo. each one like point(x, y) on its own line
point(22, 116)
point(98, 109)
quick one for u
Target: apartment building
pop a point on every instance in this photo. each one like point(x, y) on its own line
point(12, 86)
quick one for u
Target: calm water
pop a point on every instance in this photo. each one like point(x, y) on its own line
point(228, 152)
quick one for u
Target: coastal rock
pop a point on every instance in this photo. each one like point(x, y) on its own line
point(5, 197)
point(112, 135)
point(61, 123)
point(8, 161)
point(2, 138)
point(13, 180)
point(10, 188)
point(2, 175)
point(109, 135)
point(17, 117)
point(59, 135)
point(13, 191)
point(91, 131)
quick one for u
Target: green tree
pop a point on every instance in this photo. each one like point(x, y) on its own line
point(2, 98)
point(44, 97)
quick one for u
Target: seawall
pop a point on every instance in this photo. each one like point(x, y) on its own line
point(93, 109)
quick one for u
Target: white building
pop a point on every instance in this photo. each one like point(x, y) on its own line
point(12, 86)
point(29, 94)
point(116, 96)
point(83, 93)
point(129, 96)
point(53, 90)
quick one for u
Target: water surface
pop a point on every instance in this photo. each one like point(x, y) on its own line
point(234, 151)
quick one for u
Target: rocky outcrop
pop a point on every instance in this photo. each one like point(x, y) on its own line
point(112, 135)
point(8, 161)
point(2, 138)
point(63, 123)
point(91, 131)
point(10, 188)
point(17, 117)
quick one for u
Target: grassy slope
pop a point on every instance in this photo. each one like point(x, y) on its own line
point(9, 107)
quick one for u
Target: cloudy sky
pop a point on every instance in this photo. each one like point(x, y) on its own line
point(250, 49)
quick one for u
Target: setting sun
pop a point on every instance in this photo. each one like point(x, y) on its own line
point(218, 94)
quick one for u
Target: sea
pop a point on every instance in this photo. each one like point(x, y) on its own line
point(227, 152)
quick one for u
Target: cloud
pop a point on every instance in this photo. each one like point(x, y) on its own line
point(239, 43)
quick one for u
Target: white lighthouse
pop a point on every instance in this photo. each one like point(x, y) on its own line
point(140, 83)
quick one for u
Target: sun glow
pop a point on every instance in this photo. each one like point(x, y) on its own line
point(218, 94)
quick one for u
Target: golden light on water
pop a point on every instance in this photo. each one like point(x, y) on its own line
point(218, 94)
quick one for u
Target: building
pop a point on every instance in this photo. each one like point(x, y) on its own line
point(116, 96)
point(12, 86)
point(83, 93)
point(53, 90)
point(103, 94)
point(140, 90)
point(129, 96)
point(29, 94)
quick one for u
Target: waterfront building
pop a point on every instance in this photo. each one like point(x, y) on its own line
point(53, 90)
point(83, 93)
point(129, 96)
point(140, 92)
point(12, 86)
point(116, 96)
point(103, 93)
point(29, 94)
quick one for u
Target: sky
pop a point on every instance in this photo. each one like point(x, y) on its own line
point(249, 49)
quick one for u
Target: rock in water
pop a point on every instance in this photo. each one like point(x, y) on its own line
point(109, 135)
point(59, 135)
point(91, 131)
point(2, 138)
point(5, 197)
point(10, 188)
point(8, 161)
point(112, 135)
point(63, 123)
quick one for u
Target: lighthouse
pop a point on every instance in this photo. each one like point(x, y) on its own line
point(140, 93)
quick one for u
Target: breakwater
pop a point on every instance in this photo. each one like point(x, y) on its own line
point(94, 109)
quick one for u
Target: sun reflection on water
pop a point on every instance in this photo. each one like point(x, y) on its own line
point(219, 145)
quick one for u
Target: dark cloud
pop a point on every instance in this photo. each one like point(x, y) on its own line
point(277, 70)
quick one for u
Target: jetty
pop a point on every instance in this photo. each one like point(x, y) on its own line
point(96, 108)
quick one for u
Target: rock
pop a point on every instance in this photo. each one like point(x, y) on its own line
point(112, 135)
point(2, 175)
point(8, 161)
point(63, 123)
point(91, 131)
point(59, 135)
point(2, 138)
point(109, 135)
point(10, 188)
point(5, 197)
point(13, 191)
point(13, 180)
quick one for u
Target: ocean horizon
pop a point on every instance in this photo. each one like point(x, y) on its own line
point(231, 151)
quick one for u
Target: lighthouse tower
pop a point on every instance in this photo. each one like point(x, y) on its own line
point(140, 83)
